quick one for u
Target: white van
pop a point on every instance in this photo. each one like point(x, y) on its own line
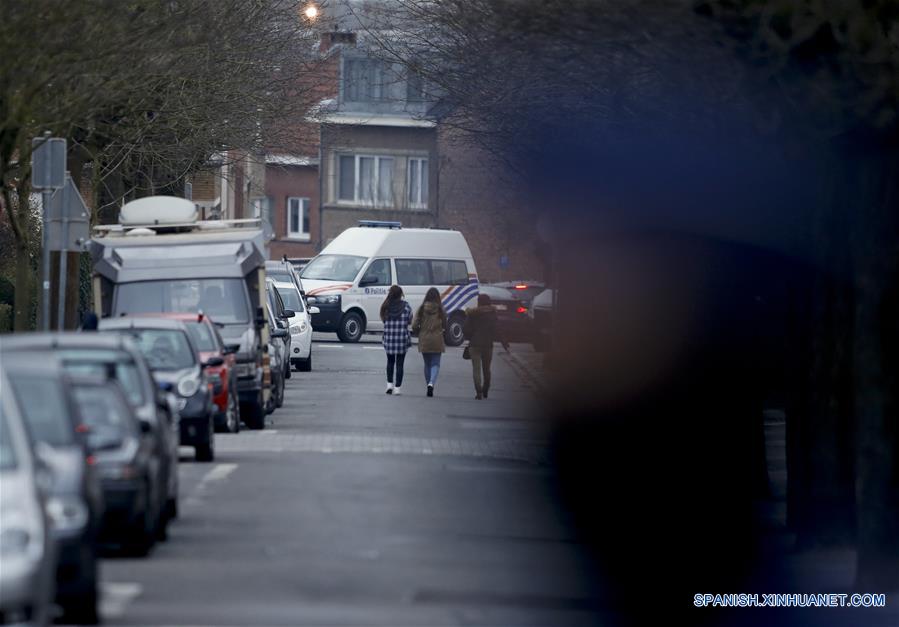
point(349, 280)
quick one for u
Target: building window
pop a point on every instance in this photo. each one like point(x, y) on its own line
point(298, 218)
point(364, 80)
point(417, 183)
point(365, 179)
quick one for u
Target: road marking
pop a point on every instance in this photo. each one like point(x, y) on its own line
point(219, 472)
point(373, 348)
point(330, 346)
point(116, 597)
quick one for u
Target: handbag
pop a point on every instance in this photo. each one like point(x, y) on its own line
point(466, 353)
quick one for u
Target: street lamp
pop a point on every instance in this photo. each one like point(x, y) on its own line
point(311, 11)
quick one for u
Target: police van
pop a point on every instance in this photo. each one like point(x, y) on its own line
point(349, 280)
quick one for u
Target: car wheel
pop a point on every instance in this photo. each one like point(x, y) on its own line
point(254, 416)
point(144, 535)
point(232, 417)
point(305, 365)
point(279, 399)
point(453, 335)
point(351, 328)
point(171, 508)
point(82, 609)
point(205, 452)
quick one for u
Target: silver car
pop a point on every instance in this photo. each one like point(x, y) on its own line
point(27, 551)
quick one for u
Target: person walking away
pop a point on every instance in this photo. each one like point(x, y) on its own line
point(429, 325)
point(396, 315)
point(481, 331)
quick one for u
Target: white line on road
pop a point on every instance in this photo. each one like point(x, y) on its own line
point(219, 472)
point(373, 348)
point(329, 345)
point(115, 598)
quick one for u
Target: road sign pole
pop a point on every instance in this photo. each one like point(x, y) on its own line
point(63, 262)
point(45, 262)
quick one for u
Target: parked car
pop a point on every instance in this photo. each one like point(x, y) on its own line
point(116, 356)
point(279, 343)
point(122, 447)
point(349, 280)
point(541, 316)
point(28, 551)
point(300, 326)
point(206, 336)
point(160, 258)
point(511, 313)
point(524, 290)
point(174, 360)
point(75, 499)
point(284, 272)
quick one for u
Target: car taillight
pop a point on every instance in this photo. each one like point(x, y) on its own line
point(521, 287)
point(91, 460)
point(522, 310)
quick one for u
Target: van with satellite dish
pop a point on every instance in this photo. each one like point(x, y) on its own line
point(160, 258)
point(349, 280)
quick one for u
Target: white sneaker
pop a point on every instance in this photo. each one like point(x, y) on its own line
point(397, 391)
point(390, 388)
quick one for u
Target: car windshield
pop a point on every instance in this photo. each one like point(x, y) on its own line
point(279, 276)
point(113, 364)
point(225, 300)
point(333, 268)
point(44, 408)
point(107, 418)
point(8, 460)
point(202, 336)
point(291, 298)
point(164, 349)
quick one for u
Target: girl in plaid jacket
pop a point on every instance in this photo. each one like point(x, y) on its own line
point(397, 316)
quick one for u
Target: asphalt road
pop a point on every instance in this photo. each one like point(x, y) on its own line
point(358, 508)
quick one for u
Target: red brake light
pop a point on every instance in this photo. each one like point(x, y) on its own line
point(82, 428)
point(91, 460)
point(522, 310)
point(521, 286)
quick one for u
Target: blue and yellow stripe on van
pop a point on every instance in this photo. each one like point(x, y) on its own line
point(459, 296)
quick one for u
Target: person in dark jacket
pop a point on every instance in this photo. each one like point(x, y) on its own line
point(396, 314)
point(481, 331)
point(429, 325)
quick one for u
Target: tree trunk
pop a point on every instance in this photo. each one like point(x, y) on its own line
point(23, 320)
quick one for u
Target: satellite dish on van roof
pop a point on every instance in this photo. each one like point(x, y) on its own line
point(159, 210)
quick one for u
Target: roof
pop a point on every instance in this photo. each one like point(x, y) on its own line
point(210, 254)
point(368, 242)
point(375, 119)
point(41, 362)
point(294, 160)
point(50, 341)
point(141, 322)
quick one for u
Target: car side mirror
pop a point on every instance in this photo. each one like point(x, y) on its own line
point(314, 310)
point(46, 470)
point(278, 333)
point(213, 361)
point(288, 313)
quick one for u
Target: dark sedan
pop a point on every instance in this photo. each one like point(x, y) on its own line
point(174, 359)
point(511, 313)
point(122, 448)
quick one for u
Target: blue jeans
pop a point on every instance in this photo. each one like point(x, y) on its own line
point(432, 367)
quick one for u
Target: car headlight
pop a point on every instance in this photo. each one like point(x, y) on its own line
point(245, 369)
point(188, 387)
point(67, 513)
point(295, 330)
point(329, 299)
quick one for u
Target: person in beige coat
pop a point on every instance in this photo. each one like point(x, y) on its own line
point(429, 325)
